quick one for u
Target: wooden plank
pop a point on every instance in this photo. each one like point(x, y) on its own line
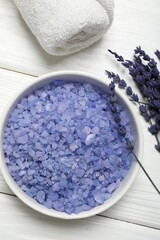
point(138, 207)
point(136, 23)
point(19, 222)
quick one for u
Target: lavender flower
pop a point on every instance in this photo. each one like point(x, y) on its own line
point(129, 91)
point(122, 84)
point(143, 109)
point(153, 112)
point(146, 75)
point(122, 130)
point(117, 79)
point(110, 74)
point(144, 112)
point(155, 104)
point(141, 53)
point(130, 144)
point(154, 129)
point(157, 53)
point(127, 63)
point(135, 97)
point(118, 57)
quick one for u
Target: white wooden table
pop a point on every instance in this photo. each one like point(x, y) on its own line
point(137, 215)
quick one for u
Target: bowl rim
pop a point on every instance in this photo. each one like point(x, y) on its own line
point(23, 196)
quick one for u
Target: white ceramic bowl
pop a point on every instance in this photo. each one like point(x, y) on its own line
point(79, 77)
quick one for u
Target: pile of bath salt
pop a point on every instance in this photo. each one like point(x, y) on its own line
point(63, 149)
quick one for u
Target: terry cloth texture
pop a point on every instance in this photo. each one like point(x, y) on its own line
point(66, 26)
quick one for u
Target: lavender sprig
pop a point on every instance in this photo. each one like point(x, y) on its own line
point(118, 57)
point(122, 130)
point(157, 53)
point(145, 74)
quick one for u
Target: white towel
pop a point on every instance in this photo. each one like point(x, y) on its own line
point(66, 26)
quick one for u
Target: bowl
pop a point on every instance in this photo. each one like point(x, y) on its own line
point(102, 84)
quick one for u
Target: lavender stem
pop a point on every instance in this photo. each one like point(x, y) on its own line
point(151, 181)
point(138, 102)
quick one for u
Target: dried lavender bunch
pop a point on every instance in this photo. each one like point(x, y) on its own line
point(122, 129)
point(146, 75)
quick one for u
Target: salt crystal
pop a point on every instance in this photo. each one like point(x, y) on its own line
point(69, 210)
point(88, 181)
point(22, 173)
point(58, 206)
point(90, 139)
point(82, 164)
point(39, 154)
point(80, 172)
point(43, 95)
point(9, 149)
point(111, 187)
point(86, 193)
point(73, 147)
point(23, 139)
point(87, 130)
point(81, 92)
point(17, 133)
point(61, 108)
point(106, 163)
point(106, 174)
point(56, 187)
point(20, 164)
point(40, 196)
point(91, 202)
point(49, 107)
point(24, 188)
point(95, 130)
point(31, 171)
point(98, 197)
point(101, 178)
point(53, 196)
point(31, 152)
point(43, 140)
point(97, 174)
point(32, 193)
point(74, 201)
point(48, 204)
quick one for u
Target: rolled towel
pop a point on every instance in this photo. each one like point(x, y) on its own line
point(66, 26)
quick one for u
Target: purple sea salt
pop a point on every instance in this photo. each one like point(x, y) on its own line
point(73, 147)
point(111, 187)
point(58, 206)
point(23, 139)
point(90, 139)
point(98, 196)
point(63, 147)
point(40, 197)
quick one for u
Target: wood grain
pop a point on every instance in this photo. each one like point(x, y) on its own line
point(18, 222)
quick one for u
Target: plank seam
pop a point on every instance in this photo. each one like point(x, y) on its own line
point(121, 220)
point(15, 71)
